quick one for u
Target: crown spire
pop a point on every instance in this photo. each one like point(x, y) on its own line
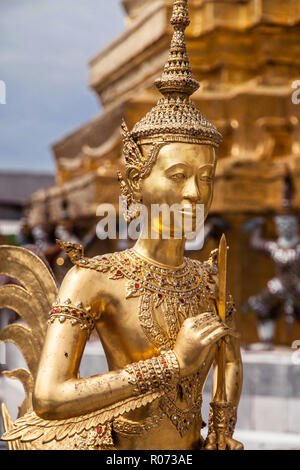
point(176, 118)
point(177, 76)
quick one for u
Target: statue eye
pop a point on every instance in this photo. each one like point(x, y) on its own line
point(178, 177)
point(206, 179)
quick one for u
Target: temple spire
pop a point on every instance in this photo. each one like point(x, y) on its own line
point(177, 77)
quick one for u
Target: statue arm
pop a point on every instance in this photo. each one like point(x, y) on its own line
point(58, 392)
point(257, 240)
point(233, 369)
point(234, 366)
point(233, 383)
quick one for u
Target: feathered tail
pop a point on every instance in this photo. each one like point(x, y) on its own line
point(31, 300)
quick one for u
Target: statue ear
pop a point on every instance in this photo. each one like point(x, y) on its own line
point(133, 177)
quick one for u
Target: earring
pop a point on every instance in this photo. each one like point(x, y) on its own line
point(130, 212)
point(130, 207)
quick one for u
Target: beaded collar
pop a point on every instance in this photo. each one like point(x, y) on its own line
point(179, 292)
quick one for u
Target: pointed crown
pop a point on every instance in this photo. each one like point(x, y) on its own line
point(175, 117)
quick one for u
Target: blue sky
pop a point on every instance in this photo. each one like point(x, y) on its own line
point(44, 49)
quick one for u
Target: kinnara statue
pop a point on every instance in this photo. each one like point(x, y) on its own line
point(163, 319)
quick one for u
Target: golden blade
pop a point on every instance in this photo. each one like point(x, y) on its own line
point(220, 395)
point(222, 264)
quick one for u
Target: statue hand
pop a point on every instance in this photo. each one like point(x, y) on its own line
point(252, 224)
point(196, 335)
point(219, 224)
point(228, 443)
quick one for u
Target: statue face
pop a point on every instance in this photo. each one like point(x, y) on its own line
point(182, 174)
point(287, 226)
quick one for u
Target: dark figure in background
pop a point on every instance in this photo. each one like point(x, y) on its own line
point(282, 294)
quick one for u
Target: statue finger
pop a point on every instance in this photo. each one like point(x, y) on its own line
point(215, 334)
point(206, 325)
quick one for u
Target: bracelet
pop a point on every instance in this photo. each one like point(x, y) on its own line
point(232, 421)
point(222, 415)
point(155, 373)
point(77, 314)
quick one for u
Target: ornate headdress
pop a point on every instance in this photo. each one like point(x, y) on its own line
point(175, 118)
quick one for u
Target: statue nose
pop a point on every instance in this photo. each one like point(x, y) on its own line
point(191, 190)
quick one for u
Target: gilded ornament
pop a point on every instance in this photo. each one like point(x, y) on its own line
point(155, 310)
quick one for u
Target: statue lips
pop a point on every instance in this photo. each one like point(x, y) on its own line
point(191, 217)
point(189, 210)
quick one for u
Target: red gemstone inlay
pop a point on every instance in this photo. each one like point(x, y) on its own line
point(119, 272)
point(159, 296)
point(99, 429)
point(140, 378)
point(136, 286)
point(181, 300)
point(57, 310)
point(105, 259)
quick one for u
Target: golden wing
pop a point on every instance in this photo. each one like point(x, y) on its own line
point(30, 431)
point(32, 301)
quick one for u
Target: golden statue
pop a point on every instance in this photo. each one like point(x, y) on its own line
point(160, 316)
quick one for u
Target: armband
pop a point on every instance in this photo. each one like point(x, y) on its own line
point(77, 314)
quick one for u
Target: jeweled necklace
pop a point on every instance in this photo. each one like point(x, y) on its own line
point(179, 292)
